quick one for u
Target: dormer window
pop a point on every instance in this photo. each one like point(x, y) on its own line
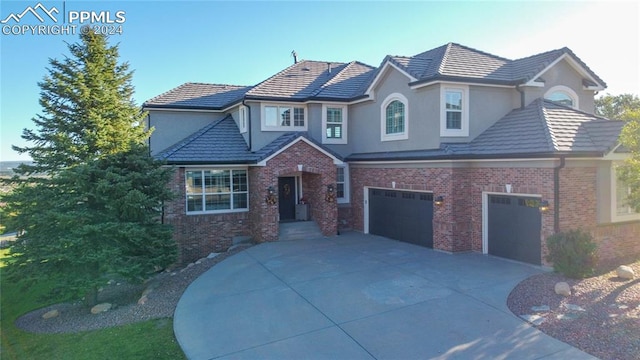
point(562, 95)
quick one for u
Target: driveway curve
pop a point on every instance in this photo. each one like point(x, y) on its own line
point(358, 296)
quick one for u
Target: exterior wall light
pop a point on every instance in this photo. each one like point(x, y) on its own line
point(439, 200)
point(544, 206)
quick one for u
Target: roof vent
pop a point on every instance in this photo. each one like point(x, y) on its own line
point(295, 56)
point(329, 67)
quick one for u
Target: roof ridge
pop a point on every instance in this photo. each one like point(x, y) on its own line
point(191, 138)
point(214, 84)
point(331, 79)
point(549, 133)
point(444, 59)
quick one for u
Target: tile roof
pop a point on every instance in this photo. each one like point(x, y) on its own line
point(221, 143)
point(542, 128)
point(314, 79)
point(199, 96)
point(457, 62)
point(217, 143)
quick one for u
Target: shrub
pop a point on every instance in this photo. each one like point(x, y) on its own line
point(573, 253)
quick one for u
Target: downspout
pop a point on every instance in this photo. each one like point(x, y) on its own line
point(521, 96)
point(556, 195)
point(248, 124)
point(148, 128)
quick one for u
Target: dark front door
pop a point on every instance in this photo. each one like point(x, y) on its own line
point(402, 215)
point(514, 228)
point(287, 198)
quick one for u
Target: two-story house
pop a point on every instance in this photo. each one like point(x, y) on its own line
point(452, 148)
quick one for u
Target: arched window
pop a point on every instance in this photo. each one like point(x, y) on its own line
point(395, 117)
point(562, 95)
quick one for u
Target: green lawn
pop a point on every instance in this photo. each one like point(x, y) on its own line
point(146, 340)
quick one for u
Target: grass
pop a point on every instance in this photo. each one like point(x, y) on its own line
point(152, 339)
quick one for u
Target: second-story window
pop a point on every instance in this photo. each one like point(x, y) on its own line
point(283, 118)
point(454, 110)
point(334, 124)
point(395, 118)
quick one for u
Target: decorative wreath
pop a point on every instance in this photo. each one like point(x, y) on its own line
point(271, 199)
point(331, 197)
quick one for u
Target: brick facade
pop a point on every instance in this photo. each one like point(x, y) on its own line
point(457, 224)
point(200, 234)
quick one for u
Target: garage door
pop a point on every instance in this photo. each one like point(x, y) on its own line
point(402, 215)
point(514, 224)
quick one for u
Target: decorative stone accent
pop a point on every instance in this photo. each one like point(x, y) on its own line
point(573, 307)
point(212, 255)
point(534, 319)
point(570, 316)
point(541, 308)
point(100, 308)
point(562, 288)
point(625, 272)
point(50, 314)
point(143, 300)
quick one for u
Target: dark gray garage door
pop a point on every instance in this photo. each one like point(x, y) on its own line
point(514, 228)
point(402, 215)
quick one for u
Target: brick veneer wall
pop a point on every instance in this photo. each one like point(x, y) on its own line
point(199, 235)
point(318, 172)
point(617, 242)
point(457, 224)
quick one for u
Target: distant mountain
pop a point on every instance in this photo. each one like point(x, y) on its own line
point(6, 167)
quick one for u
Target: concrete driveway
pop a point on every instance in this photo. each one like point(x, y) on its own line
point(357, 296)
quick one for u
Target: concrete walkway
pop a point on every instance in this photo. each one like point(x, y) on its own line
point(358, 296)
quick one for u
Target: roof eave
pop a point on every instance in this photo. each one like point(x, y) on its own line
point(443, 78)
point(541, 155)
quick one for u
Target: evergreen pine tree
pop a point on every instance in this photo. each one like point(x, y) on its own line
point(96, 211)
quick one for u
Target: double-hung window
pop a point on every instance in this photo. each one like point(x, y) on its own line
point(283, 118)
point(454, 115)
point(242, 118)
point(334, 124)
point(342, 184)
point(394, 113)
point(216, 190)
point(621, 210)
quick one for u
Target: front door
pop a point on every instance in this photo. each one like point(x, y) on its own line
point(287, 198)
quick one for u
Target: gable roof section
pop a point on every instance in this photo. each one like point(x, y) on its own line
point(198, 96)
point(217, 143)
point(307, 80)
point(455, 62)
point(541, 129)
point(221, 143)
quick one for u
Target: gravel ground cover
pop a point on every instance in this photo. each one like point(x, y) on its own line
point(607, 322)
point(166, 290)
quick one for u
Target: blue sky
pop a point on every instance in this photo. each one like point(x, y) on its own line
point(168, 43)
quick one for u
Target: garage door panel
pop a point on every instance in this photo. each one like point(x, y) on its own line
point(402, 215)
point(514, 225)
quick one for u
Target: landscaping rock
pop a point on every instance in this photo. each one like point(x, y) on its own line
point(143, 300)
point(540, 308)
point(625, 272)
point(562, 288)
point(212, 255)
point(569, 316)
point(534, 319)
point(50, 314)
point(573, 307)
point(100, 308)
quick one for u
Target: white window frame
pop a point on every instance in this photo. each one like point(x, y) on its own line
point(383, 118)
point(203, 193)
point(615, 217)
point(328, 140)
point(567, 91)
point(345, 199)
point(464, 130)
point(242, 118)
point(292, 126)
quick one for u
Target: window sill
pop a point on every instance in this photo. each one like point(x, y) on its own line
point(216, 212)
point(394, 137)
